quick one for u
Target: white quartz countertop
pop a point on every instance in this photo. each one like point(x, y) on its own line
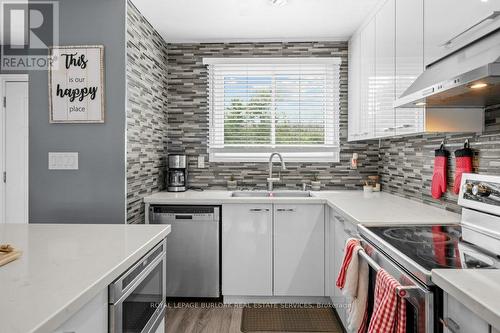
point(360, 207)
point(63, 267)
point(477, 289)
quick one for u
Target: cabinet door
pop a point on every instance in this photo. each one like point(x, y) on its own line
point(247, 250)
point(445, 19)
point(368, 82)
point(343, 230)
point(354, 87)
point(299, 251)
point(409, 61)
point(384, 70)
point(458, 318)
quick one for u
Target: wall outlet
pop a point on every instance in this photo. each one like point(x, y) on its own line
point(201, 161)
point(63, 161)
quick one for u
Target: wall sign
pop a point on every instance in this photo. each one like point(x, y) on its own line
point(76, 84)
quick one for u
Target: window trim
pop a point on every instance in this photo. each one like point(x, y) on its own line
point(328, 153)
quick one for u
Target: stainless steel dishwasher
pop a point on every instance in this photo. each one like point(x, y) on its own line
point(193, 249)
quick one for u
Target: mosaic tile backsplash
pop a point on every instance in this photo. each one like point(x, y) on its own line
point(146, 112)
point(188, 118)
point(406, 164)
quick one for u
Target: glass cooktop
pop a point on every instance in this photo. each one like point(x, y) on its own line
point(435, 246)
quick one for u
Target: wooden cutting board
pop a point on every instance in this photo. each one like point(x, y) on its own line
point(6, 257)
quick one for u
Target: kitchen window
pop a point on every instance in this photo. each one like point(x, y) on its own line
point(261, 105)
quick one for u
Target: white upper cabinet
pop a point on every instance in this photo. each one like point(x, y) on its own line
point(409, 61)
point(384, 70)
point(451, 24)
point(354, 87)
point(367, 84)
point(390, 51)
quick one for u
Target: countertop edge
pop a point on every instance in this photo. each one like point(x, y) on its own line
point(73, 306)
point(466, 299)
point(223, 197)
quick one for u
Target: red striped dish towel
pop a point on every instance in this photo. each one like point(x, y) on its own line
point(348, 253)
point(389, 310)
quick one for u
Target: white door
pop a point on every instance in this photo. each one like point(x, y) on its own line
point(14, 149)
point(247, 250)
point(299, 250)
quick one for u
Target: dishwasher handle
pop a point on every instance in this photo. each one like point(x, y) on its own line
point(165, 214)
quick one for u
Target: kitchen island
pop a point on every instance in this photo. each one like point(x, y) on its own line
point(64, 267)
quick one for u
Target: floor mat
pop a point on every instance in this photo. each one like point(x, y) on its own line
point(287, 319)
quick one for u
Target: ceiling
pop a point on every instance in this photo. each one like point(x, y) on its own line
point(254, 20)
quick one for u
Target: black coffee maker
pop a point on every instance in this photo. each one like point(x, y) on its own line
point(177, 173)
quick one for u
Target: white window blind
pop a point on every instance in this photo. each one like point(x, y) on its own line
point(289, 105)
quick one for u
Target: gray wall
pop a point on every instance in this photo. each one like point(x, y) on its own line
point(146, 112)
point(96, 192)
point(406, 164)
point(188, 118)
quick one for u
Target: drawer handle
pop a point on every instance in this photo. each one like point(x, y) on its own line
point(492, 16)
point(450, 324)
point(255, 210)
point(285, 210)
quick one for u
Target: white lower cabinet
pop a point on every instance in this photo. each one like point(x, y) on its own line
point(92, 317)
point(340, 230)
point(299, 250)
point(247, 257)
point(252, 266)
point(457, 318)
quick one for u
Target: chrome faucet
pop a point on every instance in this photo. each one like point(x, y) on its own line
point(271, 180)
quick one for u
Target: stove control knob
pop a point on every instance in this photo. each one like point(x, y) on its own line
point(481, 190)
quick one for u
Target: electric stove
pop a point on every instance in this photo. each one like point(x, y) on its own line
point(410, 252)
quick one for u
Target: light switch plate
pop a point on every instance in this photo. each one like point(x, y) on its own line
point(63, 161)
point(201, 161)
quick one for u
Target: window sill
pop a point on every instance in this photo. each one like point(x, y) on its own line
point(244, 157)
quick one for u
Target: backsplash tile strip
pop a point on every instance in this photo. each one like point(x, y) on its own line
point(146, 112)
point(188, 118)
point(406, 163)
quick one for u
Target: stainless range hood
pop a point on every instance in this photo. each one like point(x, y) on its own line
point(468, 78)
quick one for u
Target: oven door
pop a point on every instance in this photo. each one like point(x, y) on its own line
point(419, 299)
point(137, 298)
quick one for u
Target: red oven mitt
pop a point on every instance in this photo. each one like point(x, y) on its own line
point(463, 158)
point(440, 171)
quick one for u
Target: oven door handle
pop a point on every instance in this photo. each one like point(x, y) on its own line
point(416, 295)
point(405, 291)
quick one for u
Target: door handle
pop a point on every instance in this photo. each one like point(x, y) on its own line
point(285, 210)
point(255, 210)
point(492, 16)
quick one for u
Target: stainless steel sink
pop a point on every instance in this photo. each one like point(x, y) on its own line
point(290, 194)
point(274, 194)
point(250, 194)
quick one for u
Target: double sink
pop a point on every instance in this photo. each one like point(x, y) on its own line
point(272, 194)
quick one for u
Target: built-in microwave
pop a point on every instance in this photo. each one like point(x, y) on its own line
point(137, 297)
